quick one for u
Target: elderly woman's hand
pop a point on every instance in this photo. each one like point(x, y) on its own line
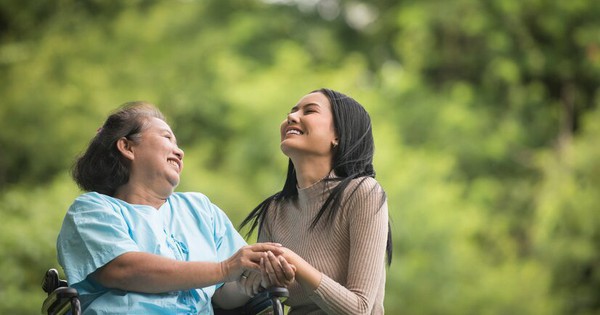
point(247, 258)
point(250, 283)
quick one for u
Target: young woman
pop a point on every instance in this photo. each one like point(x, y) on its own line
point(331, 215)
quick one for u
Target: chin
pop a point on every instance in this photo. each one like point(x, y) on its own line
point(174, 183)
point(285, 149)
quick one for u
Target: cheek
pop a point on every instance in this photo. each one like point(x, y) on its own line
point(332, 131)
point(282, 129)
point(327, 132)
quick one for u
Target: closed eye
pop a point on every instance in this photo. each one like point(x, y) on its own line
point(306, 109)
point(171, 138)
point(311, 108)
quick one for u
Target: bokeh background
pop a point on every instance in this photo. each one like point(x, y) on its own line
point(485, 116)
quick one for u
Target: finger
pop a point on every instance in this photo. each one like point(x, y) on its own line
point(249, 284)
point(269, 244)
point(271, 272)
point(263, 274)
point(264, 247)
point(242, 285)
point(251, 260)
point(247, 290)
point(253, 282)
point(281, 279)
point(256, 283)
point(287, 268)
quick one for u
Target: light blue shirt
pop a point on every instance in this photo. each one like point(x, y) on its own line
point(98, 228)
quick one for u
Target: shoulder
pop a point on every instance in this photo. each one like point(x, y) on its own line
point(92, 195)
point(93, 199)
point(93, 207)
point(364, 186)
point(366, 195)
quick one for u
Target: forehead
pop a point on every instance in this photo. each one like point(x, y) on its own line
point(157, 124)
point(316, 98)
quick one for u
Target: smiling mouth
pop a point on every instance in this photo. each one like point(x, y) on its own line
point(174, 163)
point(293, 132)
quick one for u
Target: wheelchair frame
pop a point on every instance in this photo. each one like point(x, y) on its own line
point(62, 299)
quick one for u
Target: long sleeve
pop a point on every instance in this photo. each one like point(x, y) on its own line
point(368, 224)
point(349, 251)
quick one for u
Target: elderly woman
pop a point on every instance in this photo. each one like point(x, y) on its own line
point(131, 245)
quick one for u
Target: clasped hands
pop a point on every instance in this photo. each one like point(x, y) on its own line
point(259, 266)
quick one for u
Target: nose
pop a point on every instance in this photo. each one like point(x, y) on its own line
point(292, 118)
point(179, 153)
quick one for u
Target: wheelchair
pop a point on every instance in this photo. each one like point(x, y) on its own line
point(63, 299)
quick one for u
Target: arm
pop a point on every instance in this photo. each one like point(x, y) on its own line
point(304, 273)
point(149, 273)
point(367, 226)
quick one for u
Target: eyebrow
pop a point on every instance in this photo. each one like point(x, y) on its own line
point(306, 105)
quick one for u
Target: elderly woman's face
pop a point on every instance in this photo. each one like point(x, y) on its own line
point(308, 128)
point(157, 158)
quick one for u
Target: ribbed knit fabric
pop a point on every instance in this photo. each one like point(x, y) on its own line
point(349, 252)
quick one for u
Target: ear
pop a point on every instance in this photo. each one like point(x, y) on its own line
point(124, 146)
point(334, 143)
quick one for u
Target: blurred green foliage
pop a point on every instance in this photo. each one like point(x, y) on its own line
point(485, 118)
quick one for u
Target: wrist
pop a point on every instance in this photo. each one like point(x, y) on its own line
point(307, 275)
point(225, 271)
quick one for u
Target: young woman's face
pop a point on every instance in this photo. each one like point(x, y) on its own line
point(308, 128)
point(157, 158)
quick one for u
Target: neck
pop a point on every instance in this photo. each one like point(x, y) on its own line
point(311, 170)
point(140, 196)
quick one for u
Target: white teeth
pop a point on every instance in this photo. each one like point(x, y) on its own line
point(293, 132)
point(174, 163)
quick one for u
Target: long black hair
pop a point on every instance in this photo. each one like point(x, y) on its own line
point(352, 159)
point(102, 168)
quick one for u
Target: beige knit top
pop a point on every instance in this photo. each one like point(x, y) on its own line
point(350, 252)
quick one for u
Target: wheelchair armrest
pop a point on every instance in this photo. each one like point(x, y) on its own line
point(263, 303)
point(51, 281)
point(60, 301)
point(267, 300)
point(61, 298)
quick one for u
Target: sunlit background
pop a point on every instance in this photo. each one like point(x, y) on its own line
point(485, 116)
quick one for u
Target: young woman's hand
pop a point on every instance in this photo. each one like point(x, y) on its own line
point(247, 259)
point(276, 271)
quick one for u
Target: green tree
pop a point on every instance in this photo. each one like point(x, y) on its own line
point(483, 118)
point(567, 229)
